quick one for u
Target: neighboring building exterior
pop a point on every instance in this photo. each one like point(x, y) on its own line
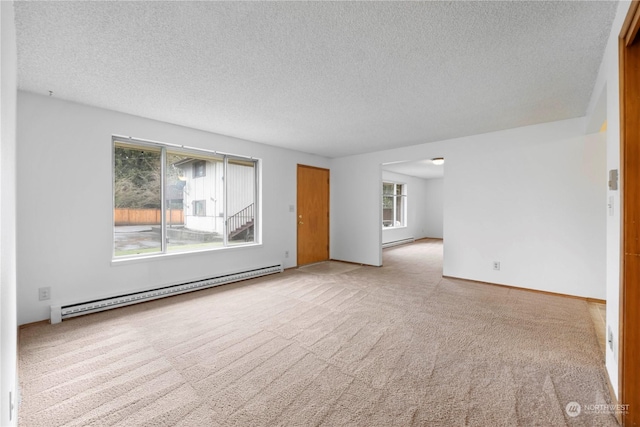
point(203, 201)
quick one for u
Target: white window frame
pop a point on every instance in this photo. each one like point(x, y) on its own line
point(163, 147)
point(403, 197)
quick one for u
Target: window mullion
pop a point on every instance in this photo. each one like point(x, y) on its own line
point(163, 200)
point(225, 240)
point(256, 230)
point(393, 211)
point(395, 205)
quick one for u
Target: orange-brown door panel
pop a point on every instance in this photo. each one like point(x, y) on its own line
point(313, 214)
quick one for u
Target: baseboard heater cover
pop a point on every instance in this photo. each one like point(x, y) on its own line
point(58, 313)
point(398, 242)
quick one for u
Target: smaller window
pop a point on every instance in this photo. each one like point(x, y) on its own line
point(199, 208)
point(199, 168)
point(394, 200)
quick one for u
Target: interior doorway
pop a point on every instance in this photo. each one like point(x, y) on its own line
point(313, 215)
point(412, 200)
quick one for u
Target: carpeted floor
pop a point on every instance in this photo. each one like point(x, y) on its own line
point(341, 345)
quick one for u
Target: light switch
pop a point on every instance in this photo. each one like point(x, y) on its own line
point(613, 179)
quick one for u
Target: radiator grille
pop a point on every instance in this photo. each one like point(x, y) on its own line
point(58, 313)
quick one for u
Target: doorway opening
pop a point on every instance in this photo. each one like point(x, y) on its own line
point(412, 201)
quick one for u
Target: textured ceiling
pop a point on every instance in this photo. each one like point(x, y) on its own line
point(331, 78)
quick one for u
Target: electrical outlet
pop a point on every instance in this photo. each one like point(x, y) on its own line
point(286, 254)
point(496, 265)
point(44, 293)
point(610, 338)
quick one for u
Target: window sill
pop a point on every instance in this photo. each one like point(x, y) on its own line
point(394, 228)
point(163, 257)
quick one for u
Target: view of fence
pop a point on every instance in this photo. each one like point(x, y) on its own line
point(146, 216)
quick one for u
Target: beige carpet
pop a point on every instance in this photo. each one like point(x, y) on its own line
point(390, 346)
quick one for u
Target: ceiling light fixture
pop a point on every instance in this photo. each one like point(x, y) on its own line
point(438, 161)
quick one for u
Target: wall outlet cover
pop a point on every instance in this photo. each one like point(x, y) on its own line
point(44, 293)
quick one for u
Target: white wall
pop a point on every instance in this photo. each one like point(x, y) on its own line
point(529, 197)
point(356, 235)
point(424, 208)
point(64, 163)
point(8, 341)
point(434, 209)
point(608, 85)
point(534, 206)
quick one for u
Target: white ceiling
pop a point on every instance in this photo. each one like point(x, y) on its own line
point(424, 169)
point(331, 78)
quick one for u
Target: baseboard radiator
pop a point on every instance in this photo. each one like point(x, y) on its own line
point(398, 242)
point(59, 313)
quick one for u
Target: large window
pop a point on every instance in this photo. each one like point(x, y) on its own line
point(171, 199)
point(394, 202)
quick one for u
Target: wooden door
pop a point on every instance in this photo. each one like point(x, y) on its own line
point(629, 354)
point(313, 214)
